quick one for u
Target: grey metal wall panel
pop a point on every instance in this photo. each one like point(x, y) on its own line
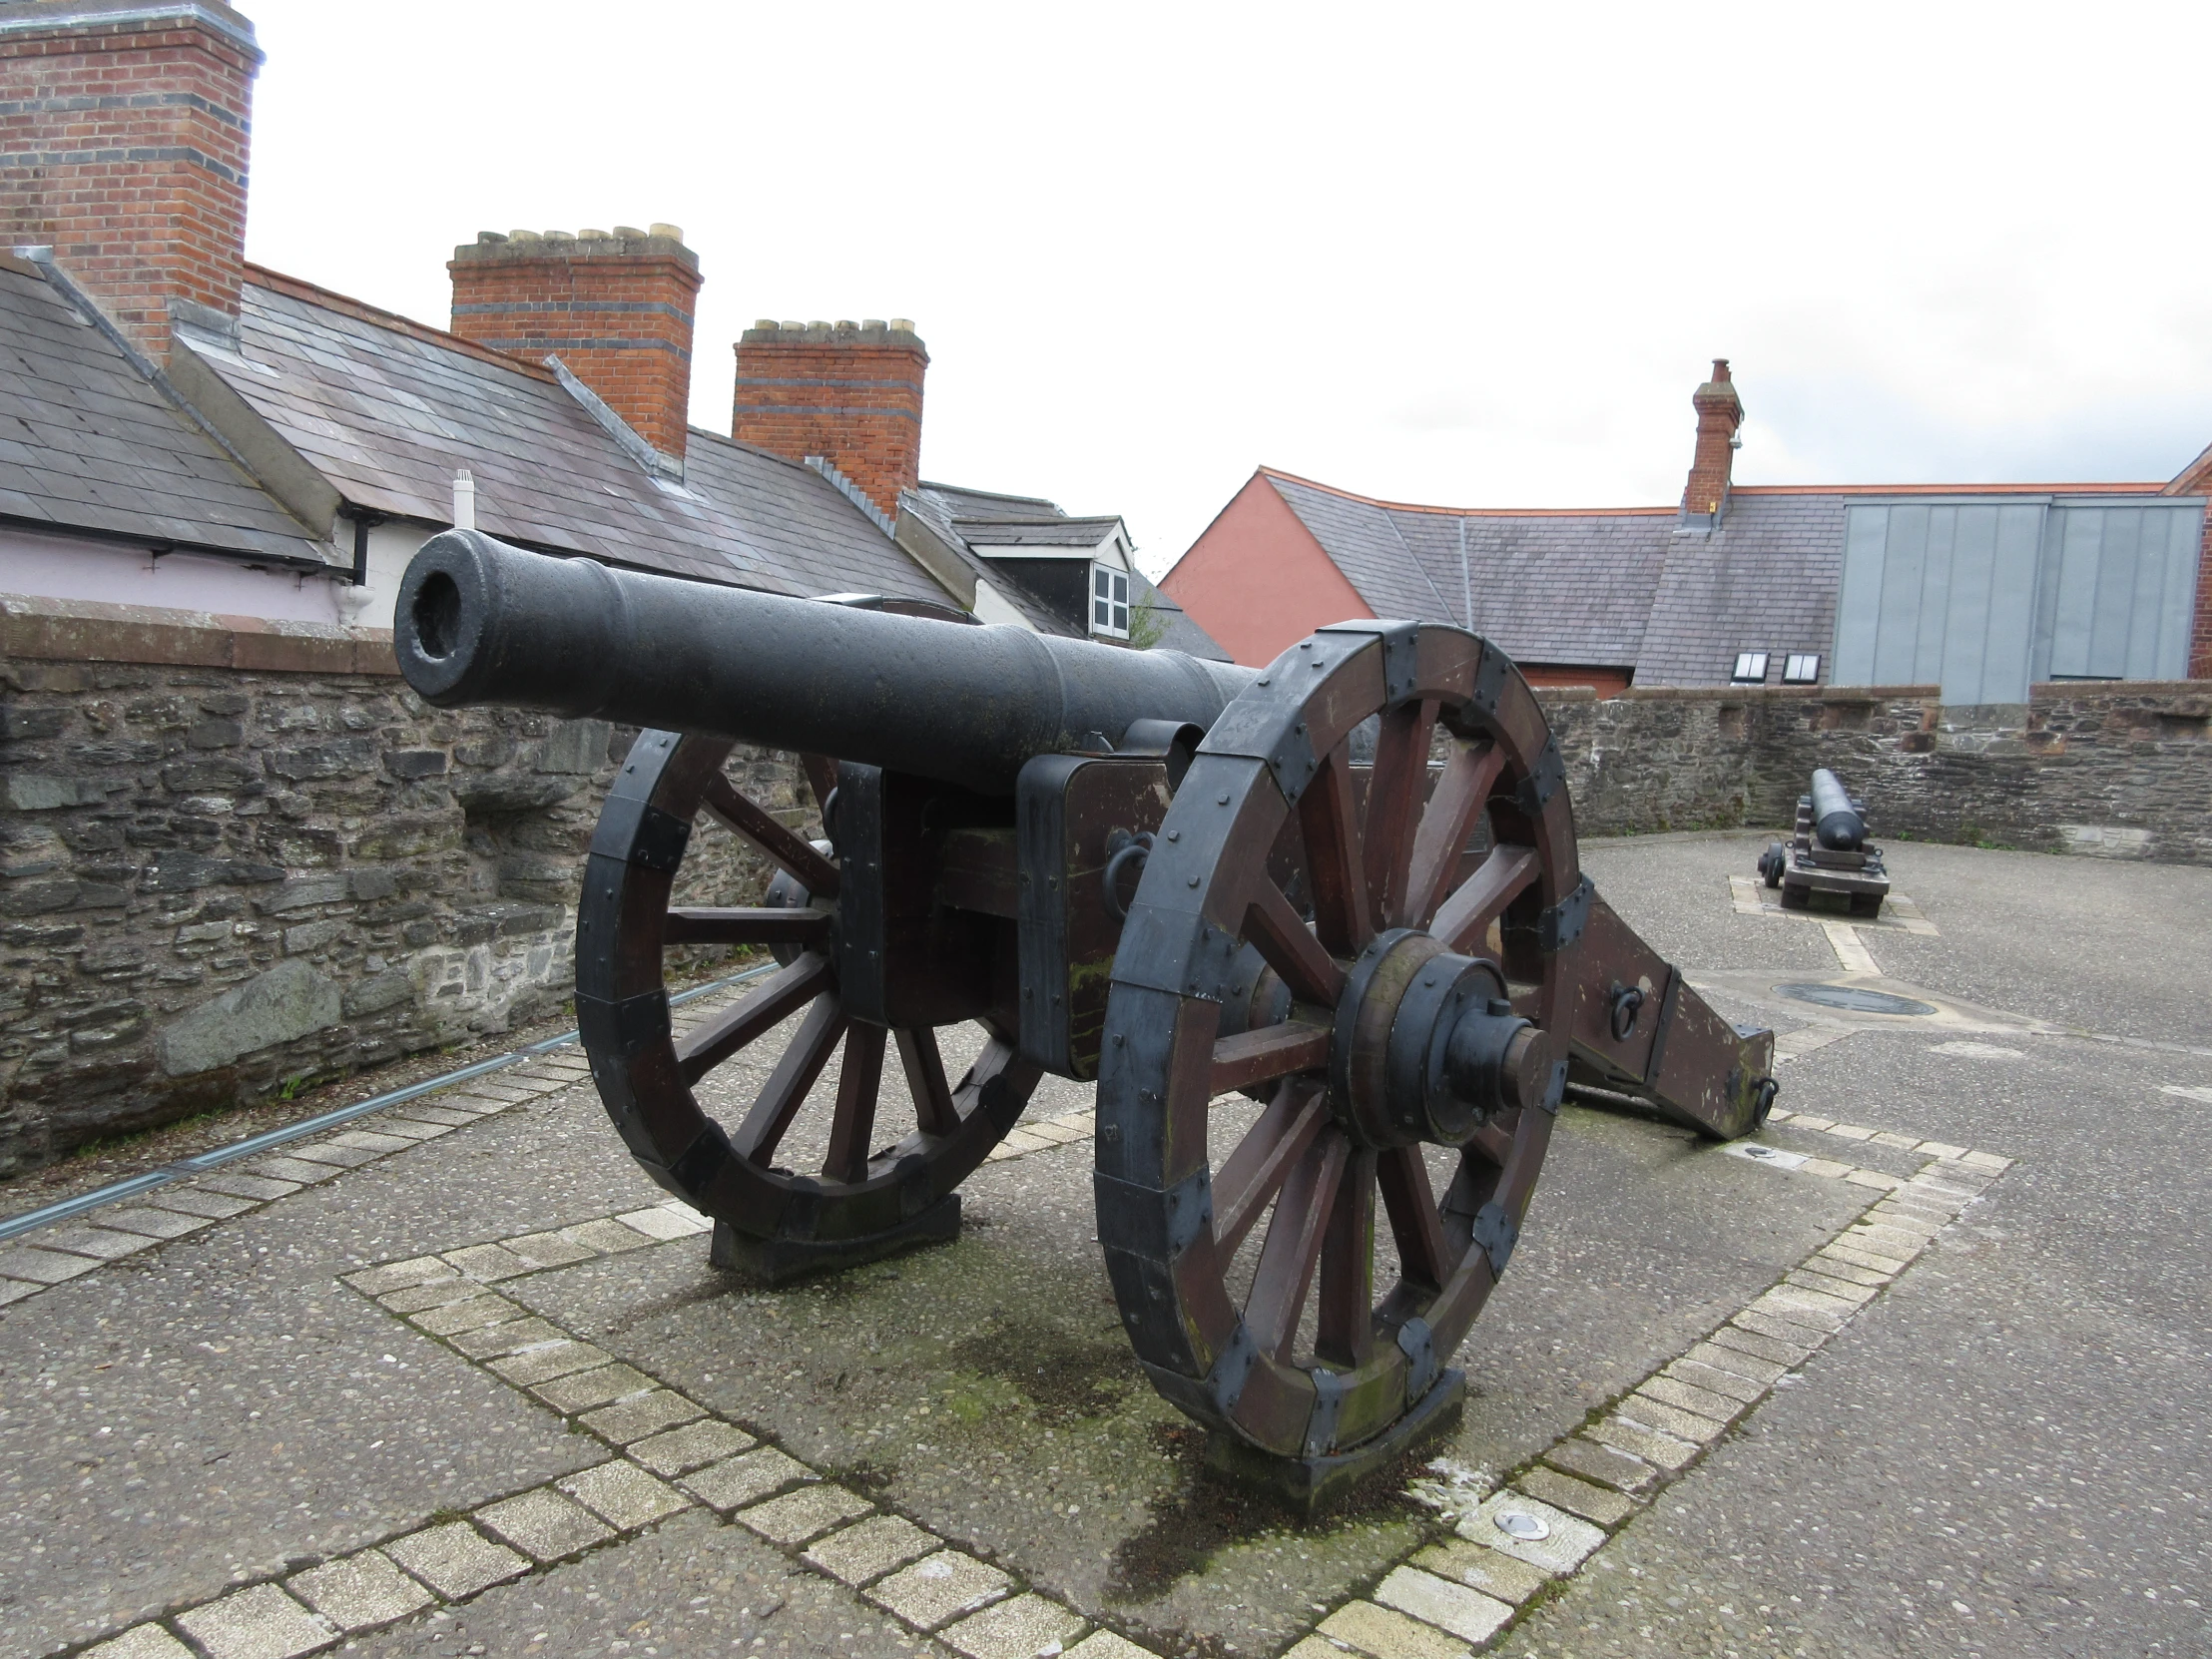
point(1903, 564)
point(1973, 561)
point(2122, 583)
point(2178, 602)
point(1936, 588)
point(2004, 667)
point(1858, 599)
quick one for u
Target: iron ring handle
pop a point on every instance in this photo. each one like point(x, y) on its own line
point(1628, 1001)
point(1137, 847)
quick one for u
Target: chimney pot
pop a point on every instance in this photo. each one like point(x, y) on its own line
point(524, 236)
point(629, 233)
point(848, 324)
point(674, 232)
point(592, 236)
point(904, 325)
point(872, 322)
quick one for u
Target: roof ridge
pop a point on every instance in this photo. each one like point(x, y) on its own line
point(2105, 488)
point(299, 288)
point(1464, 512)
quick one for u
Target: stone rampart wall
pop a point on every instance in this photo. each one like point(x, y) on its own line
point(2111, 769)
point(237, 854)
point(233, 856)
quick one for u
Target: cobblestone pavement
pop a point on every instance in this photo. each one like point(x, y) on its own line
point(1920, 1371)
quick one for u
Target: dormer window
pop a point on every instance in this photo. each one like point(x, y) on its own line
point(1109, 601)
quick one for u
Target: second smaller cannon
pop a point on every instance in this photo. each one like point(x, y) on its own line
point(1828, 864)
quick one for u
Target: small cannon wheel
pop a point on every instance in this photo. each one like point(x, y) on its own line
point(868, 1195)
point(1285, 917)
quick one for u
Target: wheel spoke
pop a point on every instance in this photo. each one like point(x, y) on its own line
point(1410, 1202)
point(1293, 1246)
point(1272, 1051)
point(934, 1111)
point(1460, 796)
point(1331, 822)
point(1254, 1173)
point(750, 925)
point(1493, 1142)
point(853, 1123)
point(1394, 802)
point(1291, 949)
point(1344, 1318)
point(778, 844)
point(781, 1097)
point(1481, 899)
point(772, 1001)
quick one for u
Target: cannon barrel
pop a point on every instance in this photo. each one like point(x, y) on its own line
point(1835, 819)
point(481, 622)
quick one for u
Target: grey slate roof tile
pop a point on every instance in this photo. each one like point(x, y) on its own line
point(1628, 589)
point(92, 444)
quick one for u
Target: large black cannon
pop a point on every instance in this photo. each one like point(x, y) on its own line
point(1344, 887)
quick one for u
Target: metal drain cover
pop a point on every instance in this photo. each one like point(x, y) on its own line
point(1857, 998)
point(1520, 1523)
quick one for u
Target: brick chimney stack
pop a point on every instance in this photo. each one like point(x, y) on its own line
point(615, 307)
point(124, 147)
point(1719, 413)
point(848, 392)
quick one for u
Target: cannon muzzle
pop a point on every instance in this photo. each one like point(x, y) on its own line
point(1835, 821)
point(481, 622)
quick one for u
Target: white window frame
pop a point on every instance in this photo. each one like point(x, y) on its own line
point(1750, 669)
point(1801, 668)
point(1109, 601)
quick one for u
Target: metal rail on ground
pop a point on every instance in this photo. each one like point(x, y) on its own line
point(200, 1162)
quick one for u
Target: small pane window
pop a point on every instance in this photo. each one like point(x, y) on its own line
point(1801, 668)
point(1109, 601)
point(1751, 668)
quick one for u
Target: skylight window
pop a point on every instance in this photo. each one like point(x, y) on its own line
point(1802, 668)
point(1751, 669)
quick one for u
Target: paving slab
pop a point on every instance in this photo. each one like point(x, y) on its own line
point(148, 1641)
point(1018, 1629)
point(681, 1450)
point(623, 1494)
point(938, 1588)
point(1467, 1614)
point(455, 1559)
point(360, 1592)
point(866, 1551)
point(1503, 1577)
point(799, 1517)
point(543, 1524)
point(259, 1623)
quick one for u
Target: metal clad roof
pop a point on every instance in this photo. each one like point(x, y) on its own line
point(88, 442)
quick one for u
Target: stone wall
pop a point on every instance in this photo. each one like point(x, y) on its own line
point(2110, 769)
point(235, 856)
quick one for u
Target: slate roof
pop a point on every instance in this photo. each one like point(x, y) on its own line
point(1766, 580)
point(1178, 632)
point(389, 410)
point(1550, 587)
point(967, 519)
point(1084, 533)
point(88, 442)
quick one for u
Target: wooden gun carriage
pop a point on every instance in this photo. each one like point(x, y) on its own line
point(1342, 888)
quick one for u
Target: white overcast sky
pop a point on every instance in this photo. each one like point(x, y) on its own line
point(1471, 255)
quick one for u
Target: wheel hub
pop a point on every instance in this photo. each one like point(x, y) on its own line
point(1427, 1046)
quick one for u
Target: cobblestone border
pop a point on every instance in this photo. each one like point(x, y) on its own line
point(73, 1248)
point(1899, 915)
point(1451, 1599)
point(671, 1455)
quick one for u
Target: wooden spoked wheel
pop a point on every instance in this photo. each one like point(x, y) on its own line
point(1288, 880)
point(873, 1185)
